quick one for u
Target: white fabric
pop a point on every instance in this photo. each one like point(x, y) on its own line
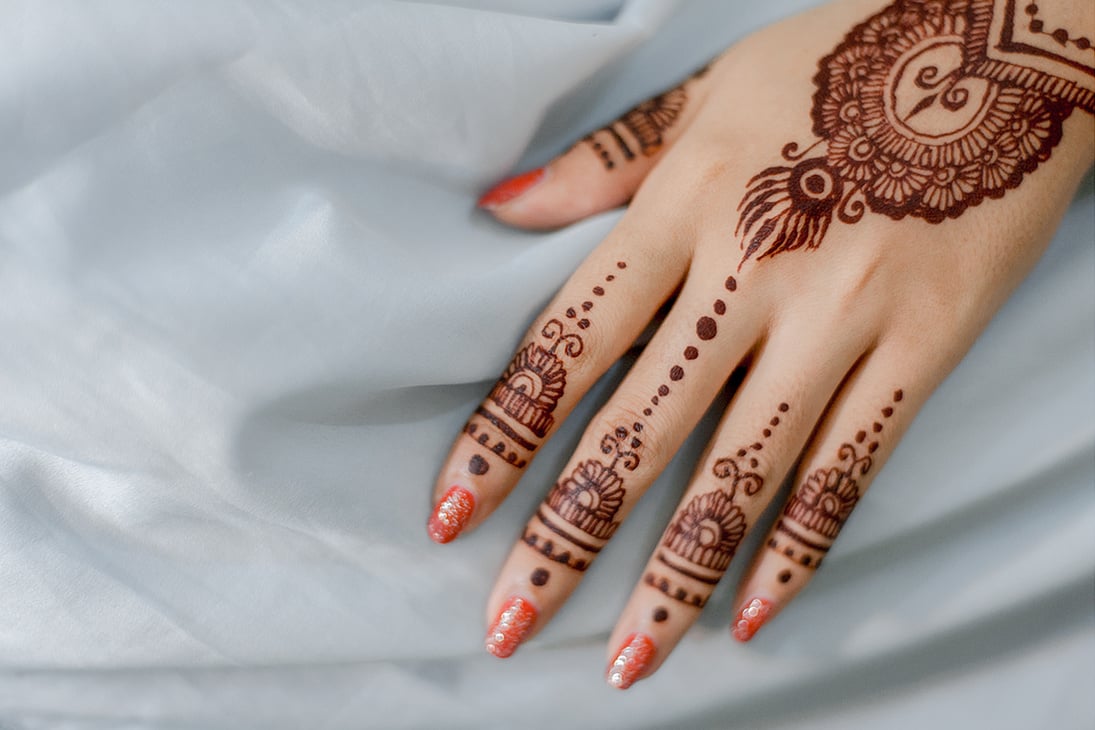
point(245, 305)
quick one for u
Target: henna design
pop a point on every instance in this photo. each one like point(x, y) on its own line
point(518, 411)
point(539, 577)
point(579, 515)
point(660, 614)
point(818, 509)
point(640, 130)
point(478, 465)
point(924, 110)
point(1060, 35)
point(704, 535)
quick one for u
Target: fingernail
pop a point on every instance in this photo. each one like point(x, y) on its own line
point(512, 625)
point(511, 189)
point(751, 617)
point(451, 515)
point(631, 661)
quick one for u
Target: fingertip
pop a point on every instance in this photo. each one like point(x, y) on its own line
point(513, 624)
point(511, 189)
point(752, 615)
point(451, 515)
point(632, 661)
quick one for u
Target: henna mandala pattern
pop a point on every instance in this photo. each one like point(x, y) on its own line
point(818, 509)
point(518, 412)
point(701, 540)
point(924, 110)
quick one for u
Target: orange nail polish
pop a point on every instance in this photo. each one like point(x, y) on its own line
point(631, 661)
point(751, 617)
point(510, 628)
point(510, 189)
point(451, 515)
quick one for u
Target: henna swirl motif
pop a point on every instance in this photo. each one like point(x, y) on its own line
point(914, 117)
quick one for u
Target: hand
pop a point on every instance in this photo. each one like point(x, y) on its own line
point(843, 227)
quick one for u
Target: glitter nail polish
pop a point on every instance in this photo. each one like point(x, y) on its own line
point(512, 625)
point(451, 514)
point(631, 661)
point(510, 189)
point(751, 617)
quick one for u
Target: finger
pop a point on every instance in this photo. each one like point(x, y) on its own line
point(627, 445)
point(604, 169)
point(598, 314)
point(861, 429)
point(759, 439)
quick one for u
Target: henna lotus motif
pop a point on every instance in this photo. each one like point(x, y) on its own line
point(708, 531)
point(530, 388)
point(649, 119)
point(825, 500)
point(589, 498)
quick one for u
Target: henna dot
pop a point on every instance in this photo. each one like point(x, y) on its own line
point(610, 277)
point(691, 353)
point(637, 427)
point(571, 313)
point(757, 446)
point(860, 436)
point(1032, 9)
point(731, 284)
point(898, 395)
point(636, 443)
point(887, 411)
point(621, 265)
point(599, 291)
point(583, 323)
point(647, 411)
point(621, 432)
point(871, 447)
point(654, 399)
point(720, 306)
point(478, 465)
point(706, 329)
point(742, 452)
point(660, 614)
point(586, 306)
point(754, 463)
point(784, 576)
point(1083, 43)
point(539, 577)
point(663, 390)
point(1060, 35)
point(783, 407)
point(676, 372)
point(774, 421)
point(767, 432)
point(876, 427)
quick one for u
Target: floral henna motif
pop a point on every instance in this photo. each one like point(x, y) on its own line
point(924, 110)
point(579, 515)
point(818, 509)
point(518, 412)
point(700, 542)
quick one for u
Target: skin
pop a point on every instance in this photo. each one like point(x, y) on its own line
point(852, 336)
